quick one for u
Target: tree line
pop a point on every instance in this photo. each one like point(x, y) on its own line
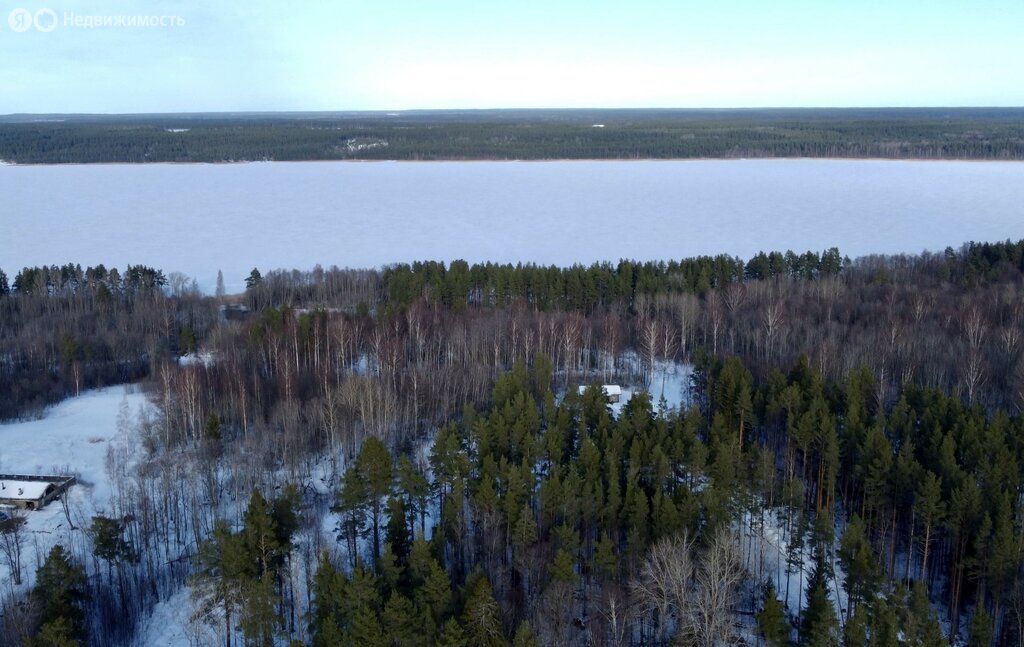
point(501, 135)
point(64, 329)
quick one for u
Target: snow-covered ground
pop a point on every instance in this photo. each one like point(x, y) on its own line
point(772, 545)
point(171, 625)
point(71, 438)
point(669, 381)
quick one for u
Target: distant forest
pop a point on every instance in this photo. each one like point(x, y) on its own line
point(936, 133)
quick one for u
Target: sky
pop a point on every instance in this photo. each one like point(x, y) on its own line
point(257, 55)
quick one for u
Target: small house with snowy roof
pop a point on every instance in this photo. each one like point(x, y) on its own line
point(32, 492)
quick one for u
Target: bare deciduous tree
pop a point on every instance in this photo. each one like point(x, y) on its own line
point(693, 593)
point(717, 578)
point(12, 540)
point(664, 584)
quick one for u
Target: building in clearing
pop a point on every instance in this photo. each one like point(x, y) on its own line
point(32, 492)
point(611, 391)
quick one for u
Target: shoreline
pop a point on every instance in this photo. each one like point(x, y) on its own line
point(6, 163)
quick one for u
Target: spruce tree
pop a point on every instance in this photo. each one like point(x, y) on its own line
point(771, 619)
point(818, 625)
point(525, 636)
point(981, 628)
point(400, 622)
point(855, 631)
point(452, 635)
point(397, 532)
point(55, 633)
point(481, 616)
point(884, 628)
point(61, 594)
point(326, 615)
point(362, 608)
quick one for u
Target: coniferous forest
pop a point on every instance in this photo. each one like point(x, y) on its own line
point(890, 133)
point(403, 457)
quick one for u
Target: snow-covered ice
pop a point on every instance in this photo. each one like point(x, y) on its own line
point(198, 218)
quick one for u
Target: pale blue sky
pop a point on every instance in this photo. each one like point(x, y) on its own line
point(391, 54)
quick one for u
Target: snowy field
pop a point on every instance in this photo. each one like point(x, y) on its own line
point(196, 218)
point(72, 438)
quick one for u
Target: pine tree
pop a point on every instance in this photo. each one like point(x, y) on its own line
point(221, 573)
point(254, 279)
point(259, 535)
point(414, 487)
point(350, 504)
point(258, 618)
point(863, 576)
point(929, 508)
point(220, 291)
point(108, 541)
point(374, 468)
point(1004, 555)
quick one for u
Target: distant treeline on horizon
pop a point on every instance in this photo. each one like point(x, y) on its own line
point(459, 284)
point(890, 133)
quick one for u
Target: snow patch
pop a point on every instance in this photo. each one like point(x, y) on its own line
point(72, 438)
point(171, 625)
point(204, 358)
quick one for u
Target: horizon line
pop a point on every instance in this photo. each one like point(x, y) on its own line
point(397, 111)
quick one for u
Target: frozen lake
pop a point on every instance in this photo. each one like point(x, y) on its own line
point(197, 219)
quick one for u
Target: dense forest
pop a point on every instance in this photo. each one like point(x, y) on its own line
point(401, 457)
point(953, 133)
